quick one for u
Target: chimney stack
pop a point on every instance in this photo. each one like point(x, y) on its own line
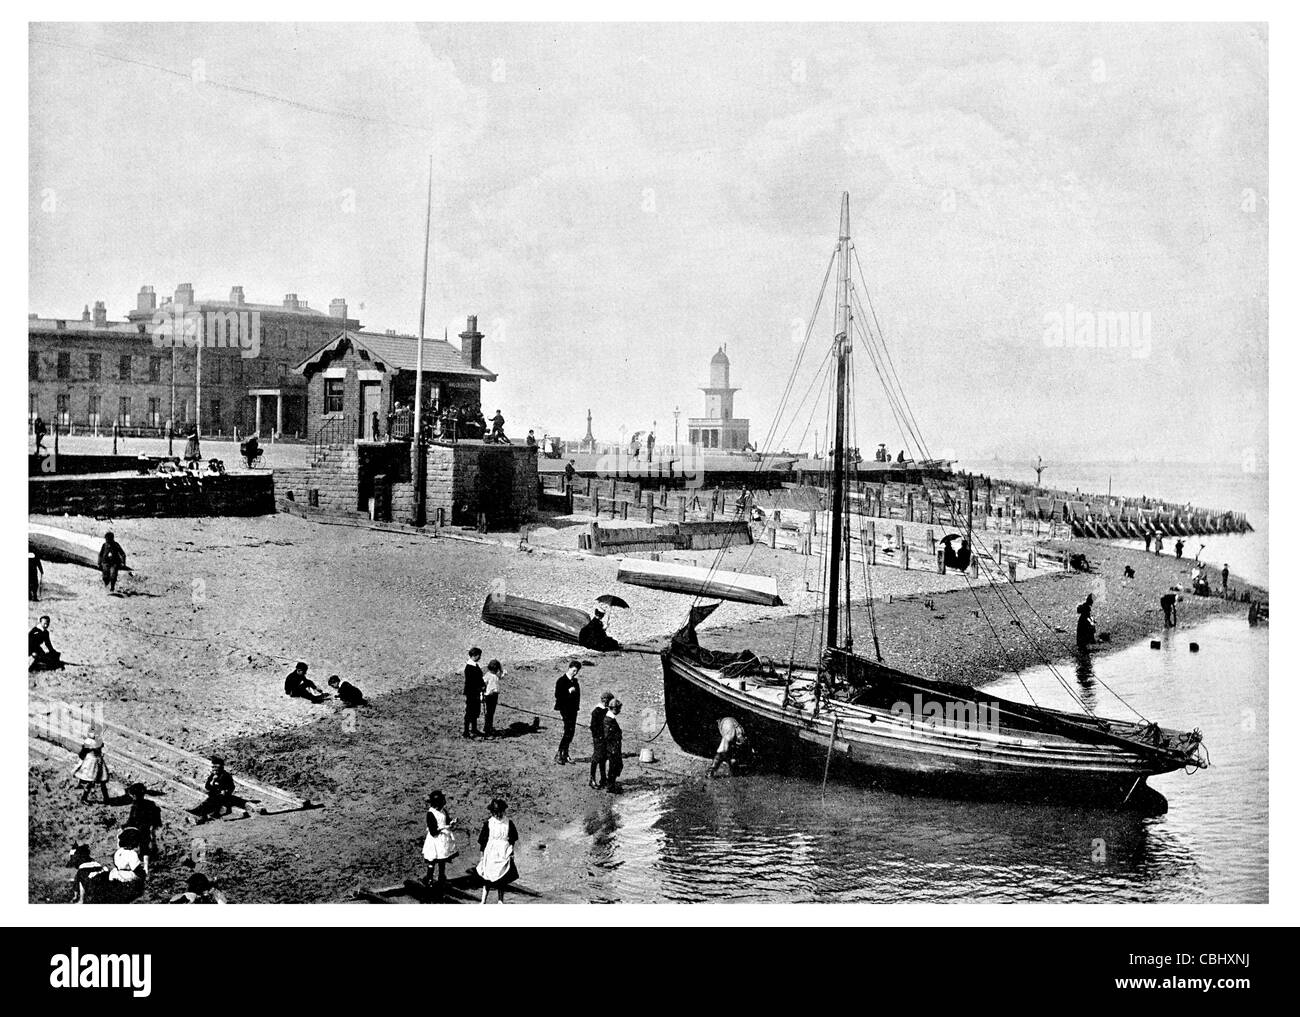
point(237, 295)
point(185, 294)
point(471, 343)
point(85, 313)
point(146, 301)
point(291, 301)
point(101, 314)
point(338, 308)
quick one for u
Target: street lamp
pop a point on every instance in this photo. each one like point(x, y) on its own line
point(677, 412)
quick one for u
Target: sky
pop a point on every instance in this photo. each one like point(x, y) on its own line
point(615, 202)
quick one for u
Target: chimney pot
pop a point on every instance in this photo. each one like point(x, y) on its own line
point(185, 294)
point(146, 301)
point(338, 308)
point(101, 314)
point(471, 342)
point(237, 294)
point(85, 313)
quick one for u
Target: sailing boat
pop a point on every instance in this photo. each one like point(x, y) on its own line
point(886, 724)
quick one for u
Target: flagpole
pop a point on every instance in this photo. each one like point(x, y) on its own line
point(417, 440)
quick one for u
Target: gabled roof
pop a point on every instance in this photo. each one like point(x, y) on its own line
point(398, 353)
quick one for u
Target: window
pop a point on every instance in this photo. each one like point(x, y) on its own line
point(61, 410)
point(333, 395)
point(280, 372)
point(92, 411)
point(92, 363)
point(215, 421)
point(63, 367)
point(33, 366)
point(124, 367)
point(155, 368)
point(155, 416)
point(124, 411)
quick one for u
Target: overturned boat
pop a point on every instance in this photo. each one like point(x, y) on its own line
point(841, 711)
point(58, 545)
point(743, 587)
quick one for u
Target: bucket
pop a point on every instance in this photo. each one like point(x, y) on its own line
point(647, 755)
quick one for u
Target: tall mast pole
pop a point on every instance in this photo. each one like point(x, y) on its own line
point(843, 324)
point(417, 440)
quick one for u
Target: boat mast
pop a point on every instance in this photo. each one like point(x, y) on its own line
point(843, 324)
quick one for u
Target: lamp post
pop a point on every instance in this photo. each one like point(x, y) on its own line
point(677, 412)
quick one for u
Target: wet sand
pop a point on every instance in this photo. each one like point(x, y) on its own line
point(196, 650)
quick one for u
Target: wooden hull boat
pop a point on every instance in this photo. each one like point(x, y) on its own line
point(534, 617)
point(700, 582)
point(891, 728)
point(57, 545)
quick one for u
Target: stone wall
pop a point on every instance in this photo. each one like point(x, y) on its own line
point(462, 480)
point(152, 496)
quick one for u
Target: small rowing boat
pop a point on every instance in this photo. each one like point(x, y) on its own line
point(57, 545)
point(699, 582)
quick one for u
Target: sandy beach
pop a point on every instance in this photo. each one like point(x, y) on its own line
point(196, 648)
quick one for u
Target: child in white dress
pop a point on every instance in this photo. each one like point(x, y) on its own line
point(497, 840)
point(439, 841)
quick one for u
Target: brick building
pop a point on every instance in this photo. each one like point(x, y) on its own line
point(226, 363)
point(357, 374)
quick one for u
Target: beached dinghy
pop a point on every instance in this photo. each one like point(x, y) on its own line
point(700, 582)
point(842, 711)
point(56, 545)
point(534, 617)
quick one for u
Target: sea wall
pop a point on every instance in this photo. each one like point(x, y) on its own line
point(152, 496)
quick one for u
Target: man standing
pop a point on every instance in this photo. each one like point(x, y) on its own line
point(1178, 548)
point(474, 686)
point(1169, 605)
point(569, 473)
point(650, 447)
point(112, 559)
point(44, 657)
point(35, 572)
point(568, 699)
point(298, 686)
point(613, 744)
point(1225, 580)
point(220, 790)
point(598, 740)
point(38, 429)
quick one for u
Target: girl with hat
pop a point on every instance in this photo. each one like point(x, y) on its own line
point(92, 770)
point(440, 841)
point(497, 841)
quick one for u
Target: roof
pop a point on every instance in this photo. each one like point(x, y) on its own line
point(398, 353)
point(720, 357)
point(79, 325)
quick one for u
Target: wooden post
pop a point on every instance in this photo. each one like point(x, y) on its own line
point(624, 510)
point(940, 567)
point(1011, 569)
point(911, 508)
point(907, 557)
point(974, 565)
point(929, 539)
point(771, 536)
point(650, 511)
point(898, 534)
point(681, 508)
point(869, 541)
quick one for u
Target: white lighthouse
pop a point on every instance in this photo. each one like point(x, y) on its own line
point(719, 428)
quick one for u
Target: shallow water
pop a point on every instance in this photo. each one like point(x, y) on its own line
point(776, 839)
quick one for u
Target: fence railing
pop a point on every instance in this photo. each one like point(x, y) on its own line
point(334, 433)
